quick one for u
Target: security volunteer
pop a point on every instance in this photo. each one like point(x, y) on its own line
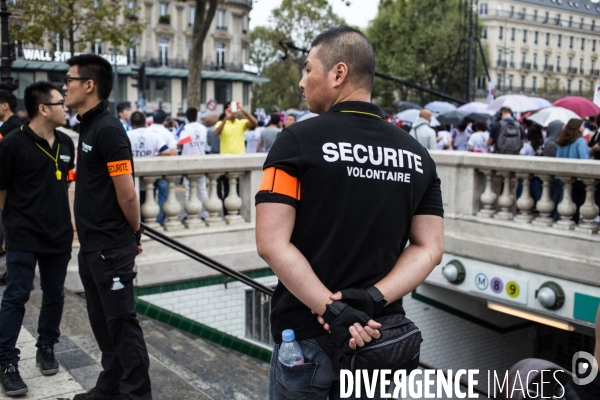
point(107, 217)
point(341, 196)
point(36, 167)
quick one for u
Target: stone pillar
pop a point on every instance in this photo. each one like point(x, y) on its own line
point(589, 209)
point(566, 208)
point(150, 208)
point(193, 206)
point(213, 204)
point(488, 197)
point(233, 202)
point(545, 205)
point(525, 202)
point(172, 208)
point(506, 199)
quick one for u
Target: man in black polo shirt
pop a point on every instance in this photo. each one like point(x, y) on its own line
point(107, 217)
point(36, 167)
point(341, 196)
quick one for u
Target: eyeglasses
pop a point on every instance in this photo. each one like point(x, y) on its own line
point(60, 103)
point(68, 79)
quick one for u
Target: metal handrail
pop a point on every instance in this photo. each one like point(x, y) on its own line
point(201, 258)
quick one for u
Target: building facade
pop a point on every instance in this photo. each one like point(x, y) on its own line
point(164, 47)
point(546, 48)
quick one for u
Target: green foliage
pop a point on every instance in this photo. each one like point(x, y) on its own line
point(296, 21)
point(78, 22)
point(417, 40)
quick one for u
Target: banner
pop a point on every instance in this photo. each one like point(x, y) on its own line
point(597, 96)
point(491, 91)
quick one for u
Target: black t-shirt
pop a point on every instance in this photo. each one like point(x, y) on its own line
point(360, 182)
point(36, 214)
point(12, 123)
point(104, 151)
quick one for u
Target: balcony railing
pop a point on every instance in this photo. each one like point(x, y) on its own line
point(571, 70)
point(595, 72)
point(535, 67)
point(501, 64)
point(512, 64)
point(581, 71)
point(185, 64)
point(558, 68)
point(540, 20)
point(164, 19)
point(548, 68)
point(525, 65)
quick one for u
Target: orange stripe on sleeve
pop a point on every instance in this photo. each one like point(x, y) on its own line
point(280, 182)
point(117, 168)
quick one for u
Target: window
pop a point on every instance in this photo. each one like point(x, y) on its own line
point(512, 34)
point(163, 52)
point(557, 19)
point(593, 65)
point(245, 24)
point(547, 39)
point(580, 86)
point(97, 48)
point(546, 61)
point(593, 24)
point(535, 37)
point(535, 15)
point(163, 9)
point(500, 32)
point(131, 4)
point(581, 66)
point(523, 11)
point(132, 53)
point(559, 40)
point(221, 20)
point(484, 32)
point(481, 83)
point(499, 10)
point(523, 59)
point(483, 9)
point(258, 312)
point(222, 91)
point(511, 14)
point(557, 63)
point(524, 35)
point(510, 83)
point(571, 42)
point(534, 60)
point(499, 56)
point(570, 22)
point(547, 17)
point(246, 94)
point(159, 90)
point(545, 83)
point(569, 86)
point(582, 44)
point(512, 58)
point(192, 16)
point(581, 24)
point(594, 45)
point(244, 57)
point(570, 65)
point(221, 55)
point(533, 84)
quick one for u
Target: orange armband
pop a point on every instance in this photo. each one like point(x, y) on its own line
point(278, 181)
point(117, 168)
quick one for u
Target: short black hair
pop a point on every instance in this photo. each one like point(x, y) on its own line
point(291, 115)
point(138, 119)
point(350, 46)
point(275, 119)
point(191, 114)
point(124, 105)
point(37, 93)
point(96, 68)
point(505, 110)
point(8, 97)
point(159, 116)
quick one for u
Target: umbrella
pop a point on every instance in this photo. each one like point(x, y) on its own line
point(407, 105)
point(476, 107)
point(439, 107)
point(547, 115)
point(411, 116)
point(579, 105)
point(542, 103)
point(307, 115)
point(479, 117)
point(516, 102)
point(452, 118)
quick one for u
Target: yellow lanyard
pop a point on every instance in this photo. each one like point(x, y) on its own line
point(55, 159)
point(362, 112)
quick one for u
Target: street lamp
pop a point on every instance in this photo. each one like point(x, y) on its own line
point(7, 82)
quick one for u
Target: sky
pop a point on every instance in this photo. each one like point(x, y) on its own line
point(358, 14)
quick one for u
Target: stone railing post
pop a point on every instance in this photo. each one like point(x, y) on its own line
point(488, 197)
point(193, 206)
point(150, 208)
point(213, 204)
point(589, 209)
point(525, 202)
point(566, 208)
point(506, 199)
point(233, 202)
point(544, 205)
point(172, 207)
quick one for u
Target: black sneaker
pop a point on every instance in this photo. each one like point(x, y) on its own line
point(95, 395)
point(12, 384)
point(45, 360)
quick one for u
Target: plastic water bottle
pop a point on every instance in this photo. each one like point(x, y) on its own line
point(290, 353)
point(116, 285)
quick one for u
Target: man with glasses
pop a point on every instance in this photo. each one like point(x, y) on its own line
point(36, 168)
point(107, 217)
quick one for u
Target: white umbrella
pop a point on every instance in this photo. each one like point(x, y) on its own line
point(440, 107)
point(542, 103)
point(516, 102)
point(476, 107)
point(547, 115)
point(411, 116)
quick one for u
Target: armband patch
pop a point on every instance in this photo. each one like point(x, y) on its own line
point(280, 182)
point(71, 175)
point(117, 168)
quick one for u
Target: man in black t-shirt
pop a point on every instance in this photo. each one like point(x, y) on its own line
point(36, 168)
point(107, 217)
point(341, 196)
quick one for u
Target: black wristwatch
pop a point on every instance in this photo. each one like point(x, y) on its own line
point(138, 235)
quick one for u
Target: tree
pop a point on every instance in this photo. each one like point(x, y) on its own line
point(297, 21)
point(202, 20)
point(78, 22)
point(417, 40)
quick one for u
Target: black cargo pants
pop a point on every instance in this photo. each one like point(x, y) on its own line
point(114, 322)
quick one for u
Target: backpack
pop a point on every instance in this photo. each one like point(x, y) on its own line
point(509, 138)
